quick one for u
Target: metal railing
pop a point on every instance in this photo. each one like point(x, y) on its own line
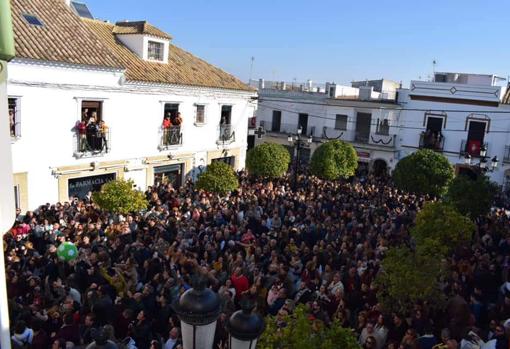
point(171, 136)
point(471, 148)
point(91, 144)
point(431, 141)
point(361, 137)
point(268, 126)
point(226, 134)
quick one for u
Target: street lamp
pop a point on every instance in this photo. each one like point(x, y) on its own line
point(245, 327)
point(483, 166)
point(298, 141)
point(198, 309)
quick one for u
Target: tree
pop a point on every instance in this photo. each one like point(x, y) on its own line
point(268, 160)
point(441, 224)
point(407, 277)
point(423, 172)
point(218, 178)
point(303, 332)
point(119, 197)
point(333, 160)
point(472, 197)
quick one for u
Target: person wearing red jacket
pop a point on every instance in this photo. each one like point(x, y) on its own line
point(240, 282)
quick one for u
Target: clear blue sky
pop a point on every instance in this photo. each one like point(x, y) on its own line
point(330, 40)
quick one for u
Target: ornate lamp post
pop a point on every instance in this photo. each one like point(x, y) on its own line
point(483, 165)
point(298, 141)
point(198, 309)
point(245, 327)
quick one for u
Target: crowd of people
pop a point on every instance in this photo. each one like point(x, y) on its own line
point(320, 245)
point(92, 133)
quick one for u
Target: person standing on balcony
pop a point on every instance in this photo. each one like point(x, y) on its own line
point(81, 128)
point(177, 121)
point(103, 131)
point(167, 124)
point(92, 132)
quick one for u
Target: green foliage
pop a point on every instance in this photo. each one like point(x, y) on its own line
point(444, 225)
point(407, 277)
point(118, 196)
point(301, 332)
point(472, 197)
point(424, 172)
point(218, 178)
point(333, 160)
point(268, 160)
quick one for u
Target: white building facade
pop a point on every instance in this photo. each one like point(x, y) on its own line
point(457, 114)
point(53, 100)
point(355, 115)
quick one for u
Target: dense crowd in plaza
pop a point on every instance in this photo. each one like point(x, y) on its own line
point(320, 245)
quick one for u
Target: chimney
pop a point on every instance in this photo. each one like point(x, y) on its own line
point(309, 85)
point(261, 84)
point(365, 93)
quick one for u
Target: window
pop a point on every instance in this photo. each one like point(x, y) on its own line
point(200, 114)
point(92, 132)
point(155, 51)
point(14, 117)
point(226, 115)
point(33, 20)
point(277, 121)
point(81, 9)
point(91, 109)
point(229, 160)
point(341, 122)
point(383, 127)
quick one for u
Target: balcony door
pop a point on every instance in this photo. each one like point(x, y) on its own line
point(476, 134)
point(363, 122)
point(303, 122)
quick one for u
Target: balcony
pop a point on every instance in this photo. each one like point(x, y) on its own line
point(361, 137)
point(506, 156)
point(431, 141)
point(170, 137)
point(91, 144)
point(226, 134)
point(382, 140)
point(472, 148)
point(269, 127)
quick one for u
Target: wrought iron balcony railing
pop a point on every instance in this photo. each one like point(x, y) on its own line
point(170, 137)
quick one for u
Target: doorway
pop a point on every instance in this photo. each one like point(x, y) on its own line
point(476, 134)
point(303, 122)
point(363, 122)
point(168, 174)
point(379, 168)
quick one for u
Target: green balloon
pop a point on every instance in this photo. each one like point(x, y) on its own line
point(67, 251)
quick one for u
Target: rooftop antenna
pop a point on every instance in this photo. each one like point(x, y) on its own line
point(434, 63)
point(251, 67)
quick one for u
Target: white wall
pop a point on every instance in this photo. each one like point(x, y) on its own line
point(133, 112)
point(412, 122)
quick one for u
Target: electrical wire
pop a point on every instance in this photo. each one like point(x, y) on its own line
point(278, 107)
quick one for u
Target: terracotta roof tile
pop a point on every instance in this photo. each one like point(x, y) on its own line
point(140, 27)
point(63, 37)
point(182, 68)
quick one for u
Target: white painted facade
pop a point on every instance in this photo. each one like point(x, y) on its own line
point(372, 143)
point(49, 97)
point(457, 104)
point(467, 99)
